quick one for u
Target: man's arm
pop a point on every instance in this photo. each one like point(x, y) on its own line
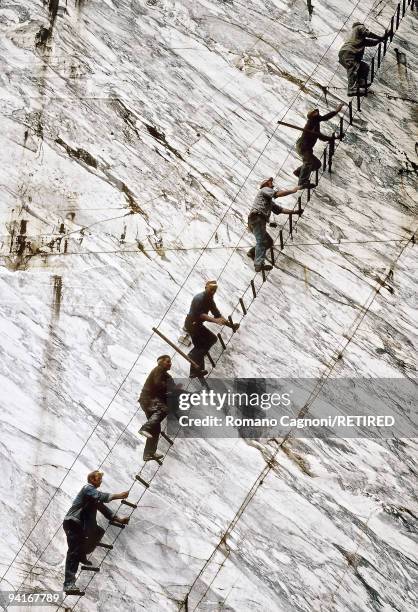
point(111, 516)
point(107, 512)
point(324, 138)
point(218, 318)
point(276, 209)
point(123, 495)
point(282, 193)
point(369, 42)
point(215, 310)
point(332, 114)
point(373, 35)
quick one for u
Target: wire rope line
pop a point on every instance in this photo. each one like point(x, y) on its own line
point(341, 242)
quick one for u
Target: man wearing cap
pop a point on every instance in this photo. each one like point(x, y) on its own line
point(153, 400)
point(351, 55)
point(203, 339)
point(80, 526)
point(258, 218)
point(306, 142)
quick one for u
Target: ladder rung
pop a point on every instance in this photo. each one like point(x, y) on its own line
point(142, 481)
point(169, 440)
point(342, 123)
point(103, 545)
point(212, 363)
point(128, 503)
point(221, 340)
point(90, 568)
point(358, 101)
point(116, 524)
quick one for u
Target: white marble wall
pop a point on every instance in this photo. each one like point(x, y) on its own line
point(135, 136)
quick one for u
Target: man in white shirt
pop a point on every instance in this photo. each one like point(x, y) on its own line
point(259, 216)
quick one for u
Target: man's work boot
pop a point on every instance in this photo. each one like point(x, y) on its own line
point(85, 561)
point(145, 433)
point(153, 457)
point(251, 253)
point(197, 373)
point(265, 267)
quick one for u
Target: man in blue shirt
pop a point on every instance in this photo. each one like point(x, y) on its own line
point(203, 339)
point(258, 218)
point(81, 528)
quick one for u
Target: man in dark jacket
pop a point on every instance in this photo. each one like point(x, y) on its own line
point(305, 145)
point(259, 216)
point(203, 339)
point(351, 55)
point(81, 528)
point(157, 389)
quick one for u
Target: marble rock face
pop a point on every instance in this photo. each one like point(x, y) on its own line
point(135, 135)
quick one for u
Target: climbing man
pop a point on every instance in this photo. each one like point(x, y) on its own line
point(306, 142)
point(203, 339)
point(158, 388)
point(259, 216)
point(351, 55)
point(82, 531)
